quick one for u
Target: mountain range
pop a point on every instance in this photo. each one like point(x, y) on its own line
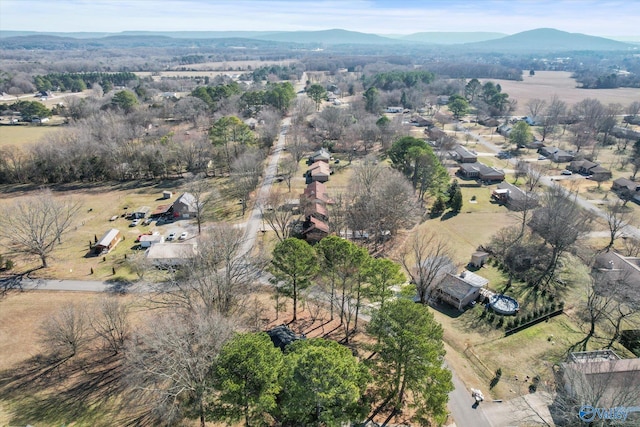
point(543, 39)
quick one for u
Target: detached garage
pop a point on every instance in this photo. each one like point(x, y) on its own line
point(107, 242)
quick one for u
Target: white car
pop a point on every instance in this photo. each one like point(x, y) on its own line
point(567, 172)
point(183, 236)
point(541, 157)
point(135, 222)
point(171, 236)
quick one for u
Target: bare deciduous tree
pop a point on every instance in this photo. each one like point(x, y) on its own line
point(245, 173)
point(216, 279)
point(110, 322)
point(427, 258)
point(170, 361)
point(65, 333)
point(204, 195)
point(616, 216)
point(278, 215)
point(34, 226)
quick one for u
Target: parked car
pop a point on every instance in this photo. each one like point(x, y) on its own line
point(171, 236)
point(567, 172)
point(183, 236)
point(147, 221)
point(135, 222)
point(541, 157)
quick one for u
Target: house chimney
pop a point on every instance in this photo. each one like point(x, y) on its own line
point(611, 265)
point(464, 273)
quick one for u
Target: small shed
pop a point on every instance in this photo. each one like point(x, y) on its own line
point(108, 241)
point(167, 194)
point(478, 258)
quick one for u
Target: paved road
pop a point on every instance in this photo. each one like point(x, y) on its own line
point(461, 406)
point(253, 225)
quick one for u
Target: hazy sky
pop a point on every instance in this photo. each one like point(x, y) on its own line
point(596, 17)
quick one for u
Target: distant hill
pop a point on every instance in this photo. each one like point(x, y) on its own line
point(329, 37)
point(451, 38)
point(548, 40)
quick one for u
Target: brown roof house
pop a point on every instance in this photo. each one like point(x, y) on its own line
point(317, 210)
point(316, 191)
point(626, 189)
point(602, 386)
point(319, 171)
point(314, 230)
point(581, 166)
point(600, 173)
point(460, 290)
point(480, 171)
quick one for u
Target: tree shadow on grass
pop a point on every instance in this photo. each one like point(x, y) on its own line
point(448, 215)
point(63, 390)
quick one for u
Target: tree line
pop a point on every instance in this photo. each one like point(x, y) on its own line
point(77, 82)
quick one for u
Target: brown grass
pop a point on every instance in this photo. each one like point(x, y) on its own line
point(24, 135)
point(545, 84)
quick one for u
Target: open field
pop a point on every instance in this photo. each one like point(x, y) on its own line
point(545, 84)
point(23, 135)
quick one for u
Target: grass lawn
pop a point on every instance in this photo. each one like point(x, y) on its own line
point(23, 135)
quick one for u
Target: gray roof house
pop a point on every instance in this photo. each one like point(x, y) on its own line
point(462, 155)
point(513, 197)
point(460, 290)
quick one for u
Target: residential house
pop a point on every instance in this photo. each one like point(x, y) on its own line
point(599, 173)
point(443, 99)
point(317, 192)
point(185, 206)
point(614, 266)
point(317, 210)
point(480, 171)
point(555, 154)
point(460, 290)
point(395, 110)
point(321, 155)
point(146, 240)
point(319, 171)
point(108, 241)
point(420, 121)
point(463, 155)
point(602, 379)
point(627, 188)
point(513, 197)
point(314, 230)
point(167, 255)
point(562, 156)
point(504, 130)
point(582, 166)
point(624, 184)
